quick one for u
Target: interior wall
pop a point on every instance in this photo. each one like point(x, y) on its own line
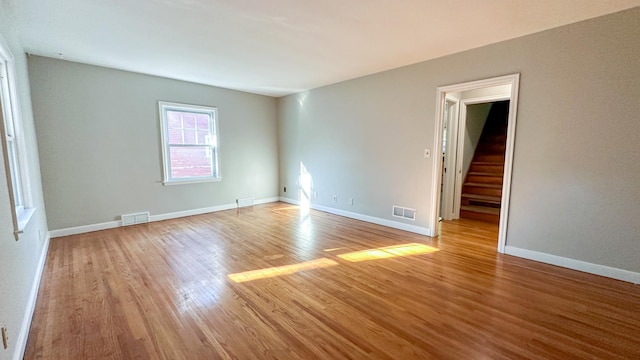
point(99, 134)
point(577, 158)
point(19, 259)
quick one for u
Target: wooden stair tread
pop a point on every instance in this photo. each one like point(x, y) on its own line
point(486, 163)
point(487, 198)
point(484, 173)
point(489, 168)
point(481, 209)
point(484, 176)
point(494, 186)
point(484, 151)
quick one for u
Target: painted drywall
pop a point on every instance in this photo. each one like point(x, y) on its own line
point(20, 259)
point(577, 156)
point(99, 136)
point(474, 123)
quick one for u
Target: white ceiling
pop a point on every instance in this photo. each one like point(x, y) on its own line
point(279, 47)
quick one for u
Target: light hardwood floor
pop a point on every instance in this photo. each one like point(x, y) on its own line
point(268, 283)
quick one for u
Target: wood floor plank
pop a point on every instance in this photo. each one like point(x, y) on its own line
point(269, 283)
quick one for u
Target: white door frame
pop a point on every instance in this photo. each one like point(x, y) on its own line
point(448, 188)
point(514, 81)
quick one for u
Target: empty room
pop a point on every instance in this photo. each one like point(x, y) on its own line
point(187, 179)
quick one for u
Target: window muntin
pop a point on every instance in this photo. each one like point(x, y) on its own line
point(190, 143)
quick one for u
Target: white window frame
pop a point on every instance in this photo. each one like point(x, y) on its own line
point(214, 145)
point(13, 145)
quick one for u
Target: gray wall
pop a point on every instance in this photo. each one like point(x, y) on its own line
point(99, 137)
point(475, 120)
point(19, 259)
point(577, 155)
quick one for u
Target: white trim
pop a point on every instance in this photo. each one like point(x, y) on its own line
point(84, 229)
point(370, 219)
point(457, 169)
point(591, 268)
point(436, 179)
point(21, 343)
point(178, 214)
point(24, 216)
point(508, 163)
point(192, 212)
point(191, 181)
point(448, 192)
point(485, 99)
point(436, 173)
point(200, 211)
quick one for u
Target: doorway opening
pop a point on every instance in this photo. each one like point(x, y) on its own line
point(461, 113)
point(483, 161)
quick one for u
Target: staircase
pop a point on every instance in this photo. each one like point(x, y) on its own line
point(482, 189)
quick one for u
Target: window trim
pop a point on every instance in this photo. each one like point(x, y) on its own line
point(22, 208)
point(163, 107)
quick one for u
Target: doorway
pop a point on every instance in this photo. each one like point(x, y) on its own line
point(450, 137)
point(483, 161)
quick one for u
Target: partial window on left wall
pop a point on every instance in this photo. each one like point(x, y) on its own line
point(13, 149)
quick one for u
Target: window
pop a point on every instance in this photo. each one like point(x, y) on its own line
point(13, 150)
point(189, 143)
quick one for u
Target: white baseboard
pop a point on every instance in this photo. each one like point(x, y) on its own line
point(21, 343)
point(602, 270)
point(84, 229)
point(159, 217)
point(371, 219)
point(179, 214)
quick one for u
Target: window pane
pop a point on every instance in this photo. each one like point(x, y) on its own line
point(190, 162)
point(203, 121)
point(187, 128)
point(189, 120)
point(174, 120)
point(190, 136)
point(175, 136)
point(202, 137)
point(15, 179)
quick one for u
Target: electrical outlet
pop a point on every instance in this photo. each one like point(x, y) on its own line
point(427, 153)
point(5, 337)
point(285, 189)
point(335, 198)
point(315, 194)
point(350, 201)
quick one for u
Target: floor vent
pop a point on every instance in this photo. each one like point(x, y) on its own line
point(132, 219)
point(406, 213)
point(244, 202)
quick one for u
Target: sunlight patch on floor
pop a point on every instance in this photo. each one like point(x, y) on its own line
point(356, 256)
point(281, 270)
point(388, 252)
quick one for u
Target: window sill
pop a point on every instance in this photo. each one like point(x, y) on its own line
point(24, 216)
point(194, 181)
